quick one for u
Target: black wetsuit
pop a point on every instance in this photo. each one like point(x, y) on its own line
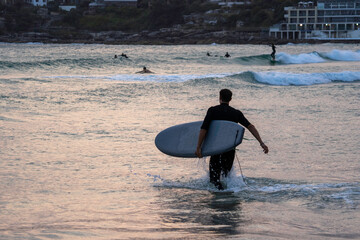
point(222, 163)
point(273, 52)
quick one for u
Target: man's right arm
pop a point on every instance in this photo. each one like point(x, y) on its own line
point(201, 139)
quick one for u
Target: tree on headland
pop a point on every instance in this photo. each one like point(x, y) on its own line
point(19, 17)
point(163, 14)
point(149, 15)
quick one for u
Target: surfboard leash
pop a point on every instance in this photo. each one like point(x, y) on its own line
point(237, 158)
point(242, 175)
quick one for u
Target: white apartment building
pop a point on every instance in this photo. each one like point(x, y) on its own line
point(39, 3)
point(103, 3)
point(121, 2)
point(328, 19)
point(67, 5)
point(230, 2)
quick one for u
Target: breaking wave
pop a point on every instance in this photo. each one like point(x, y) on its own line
point(270, 78)
point(302, 58)
point(85, 63)
point(145, 77)
point(343, 55)
point(264, 59)
point(285, 79)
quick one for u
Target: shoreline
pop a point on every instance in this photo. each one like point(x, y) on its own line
point(160, 42)
point(161, 37)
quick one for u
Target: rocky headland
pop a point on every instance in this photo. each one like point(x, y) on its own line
point(166, 36)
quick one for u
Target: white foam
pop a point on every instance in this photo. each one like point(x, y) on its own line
point(35, 43)
point(284, 79)
point(314, 57)
point(302, 58)
point(277, 188)
point(70, 76)
point(144, 77)
point(346, 192)
point(343, 55)
point(162, 78)
point(235, 183)
point(232, 183)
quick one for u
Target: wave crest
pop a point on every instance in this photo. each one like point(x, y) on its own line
point(343, 55)
point(271, 78)
point(285, 79)
point(302, 58)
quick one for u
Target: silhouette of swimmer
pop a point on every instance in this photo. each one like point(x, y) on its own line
point(209, 55)
point(273, 51)
point(145, 70)
point(227, 55)
point(115, 56)
point(124, 55)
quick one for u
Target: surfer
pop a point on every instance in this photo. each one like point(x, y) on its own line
point(208, 54)
point(273, 51)
point(222, 163)
point(124, 55)
point(145, 70)
point(227, 55)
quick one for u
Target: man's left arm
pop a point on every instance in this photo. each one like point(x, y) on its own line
point(256, 134)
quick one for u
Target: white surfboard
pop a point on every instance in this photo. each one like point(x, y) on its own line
point(181, 140)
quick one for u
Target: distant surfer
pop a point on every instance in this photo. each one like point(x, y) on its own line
point(115, 56)
point(208, 54)
point(273, 51)
point(227, 55)
point(145, 70)
point(222, 164)
point(124, 55)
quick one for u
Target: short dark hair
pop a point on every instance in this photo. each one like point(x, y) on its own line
point(225, 95)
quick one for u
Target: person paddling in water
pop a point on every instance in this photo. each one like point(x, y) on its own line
point(124, 55)
point(273, 51)
point(145, 70)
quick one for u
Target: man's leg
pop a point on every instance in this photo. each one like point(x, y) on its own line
point(215, 171)
point(227, 160)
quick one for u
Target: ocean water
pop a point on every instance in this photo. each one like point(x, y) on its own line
point(77, 153)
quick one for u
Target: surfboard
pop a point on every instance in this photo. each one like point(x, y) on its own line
point(181, 140)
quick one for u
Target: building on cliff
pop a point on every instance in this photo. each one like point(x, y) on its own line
point(38, 3)
point(119, 3)
point(328, 19)
point(70, 4)
point(231, 2)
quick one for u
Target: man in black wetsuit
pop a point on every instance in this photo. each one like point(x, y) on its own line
point(273, 51)
point(222, 164)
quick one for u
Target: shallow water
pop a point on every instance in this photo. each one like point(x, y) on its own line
point(77, 153)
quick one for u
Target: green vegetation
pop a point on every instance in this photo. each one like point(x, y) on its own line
point(162, 13)
point(19, 17)
point(261, 13)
